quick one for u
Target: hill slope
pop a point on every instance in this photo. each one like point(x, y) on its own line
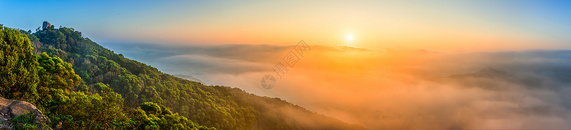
point(46, 82)
point(212, 106)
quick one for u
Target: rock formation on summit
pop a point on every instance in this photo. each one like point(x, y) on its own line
point(46, 25)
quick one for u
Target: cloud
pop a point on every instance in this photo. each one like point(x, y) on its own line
point(392, 88)
point(204, 64)
point(401, 89)
point(201, 60)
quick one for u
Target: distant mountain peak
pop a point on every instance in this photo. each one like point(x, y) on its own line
point(46, 24)
point(484, 73)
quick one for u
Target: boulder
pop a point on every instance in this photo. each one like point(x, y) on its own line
point(10, 109)
point(46, 25)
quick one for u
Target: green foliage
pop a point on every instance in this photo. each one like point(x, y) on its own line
point(143, 120)
point(47, 82)
point(151, 108)
point(54, 75)
point(138, 118)
point(24, 122)
point(78, 110)
point(17, 66)
point(60, 73)
point(138, 83)
point(165, 110)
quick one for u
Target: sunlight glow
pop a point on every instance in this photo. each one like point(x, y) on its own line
point(349, 38)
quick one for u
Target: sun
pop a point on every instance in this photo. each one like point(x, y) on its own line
point(349, 38)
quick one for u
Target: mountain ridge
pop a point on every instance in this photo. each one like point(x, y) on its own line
point(213, 106)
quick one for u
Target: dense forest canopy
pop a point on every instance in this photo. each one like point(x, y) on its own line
point(48, 82)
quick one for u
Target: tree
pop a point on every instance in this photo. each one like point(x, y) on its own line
point(151, 108)
point(18, 76)
point(49, 83)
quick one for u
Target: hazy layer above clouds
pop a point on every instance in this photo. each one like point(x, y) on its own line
point(392, 88)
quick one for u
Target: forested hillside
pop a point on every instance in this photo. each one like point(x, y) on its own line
point(48, 82)
point(111, 91)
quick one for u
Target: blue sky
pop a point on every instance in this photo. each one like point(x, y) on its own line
point(322, 21)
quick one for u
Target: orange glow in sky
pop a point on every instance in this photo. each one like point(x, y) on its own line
point(380, 64)
point(375, 25)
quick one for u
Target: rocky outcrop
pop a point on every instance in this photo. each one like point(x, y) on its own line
point(46, 25)
point(10, 109)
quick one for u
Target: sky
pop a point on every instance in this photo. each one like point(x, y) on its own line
point(485, 64)
point(435, 25)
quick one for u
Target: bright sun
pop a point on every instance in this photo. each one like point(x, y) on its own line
point(349, 38)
